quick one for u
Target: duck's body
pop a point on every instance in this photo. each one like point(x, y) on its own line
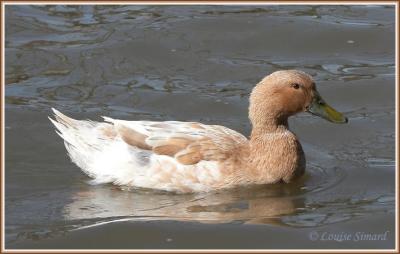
point(178, 156)
point(192, 157)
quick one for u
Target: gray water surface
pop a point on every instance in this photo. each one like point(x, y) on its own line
point(198, 63)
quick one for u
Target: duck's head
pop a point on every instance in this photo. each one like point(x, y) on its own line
point(286, 93)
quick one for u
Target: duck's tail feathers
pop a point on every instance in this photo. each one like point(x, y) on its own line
point(63, 119)
point(67, 128)
point(104, 159)
point(79, 137)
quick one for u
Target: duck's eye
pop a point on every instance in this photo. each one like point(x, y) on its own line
point(296, 86)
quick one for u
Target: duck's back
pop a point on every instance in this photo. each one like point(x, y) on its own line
point(171, 156)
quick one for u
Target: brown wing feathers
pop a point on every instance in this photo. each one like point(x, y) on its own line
point(132, 137)
point(187, 148)
point(171, 146)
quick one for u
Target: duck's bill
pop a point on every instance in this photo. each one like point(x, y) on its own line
point(320, 108)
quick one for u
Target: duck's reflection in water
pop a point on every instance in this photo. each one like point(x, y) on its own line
point(266, 204)
point(257, 205)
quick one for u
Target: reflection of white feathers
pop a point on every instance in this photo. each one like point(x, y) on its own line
point(107, 204)
point(122, 152)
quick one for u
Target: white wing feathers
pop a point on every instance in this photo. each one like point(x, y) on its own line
point(188, 142)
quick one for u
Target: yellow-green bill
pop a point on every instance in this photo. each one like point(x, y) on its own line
point(320, 108)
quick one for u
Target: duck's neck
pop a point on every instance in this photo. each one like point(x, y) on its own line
point(275, 152)
point(273, 125)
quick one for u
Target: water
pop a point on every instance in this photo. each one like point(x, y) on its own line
point(198, 63)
